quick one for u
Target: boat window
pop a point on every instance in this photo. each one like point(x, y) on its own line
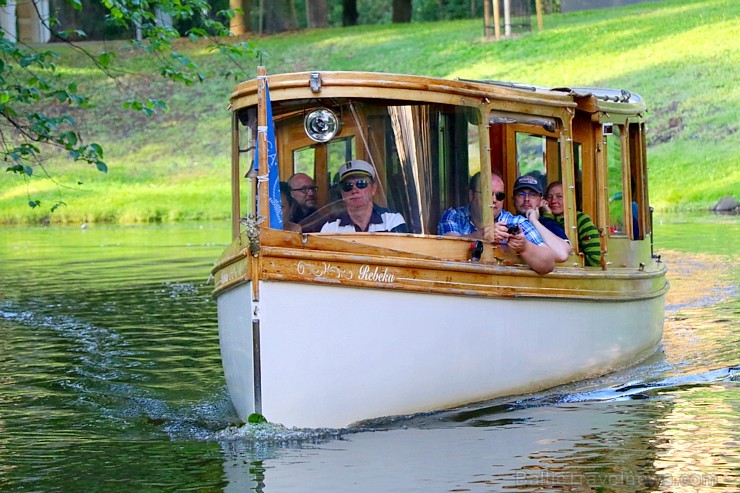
point(303, 160)
point(339, 152)
point(578, 173)
point(423, 155)
point(430, 152)
point(246, 129)
point(555, 171)
point(615, 179)
point(530, 152)
point(638, 181)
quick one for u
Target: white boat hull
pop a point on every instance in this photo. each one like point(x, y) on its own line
point(330, 356)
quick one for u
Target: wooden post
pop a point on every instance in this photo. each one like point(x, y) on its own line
point(538, 4)
point(484, 136)
point(496, 19)
point(507, 18)
point(487, 18)
point(263, 185)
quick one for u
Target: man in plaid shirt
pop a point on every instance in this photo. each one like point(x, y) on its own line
point(467, 221)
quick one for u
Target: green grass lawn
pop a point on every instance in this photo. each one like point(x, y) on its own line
point(681, 56)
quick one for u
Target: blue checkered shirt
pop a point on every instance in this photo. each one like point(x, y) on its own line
point(529, 231)
point(457, 220)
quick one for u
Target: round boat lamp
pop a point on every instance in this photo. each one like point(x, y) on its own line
point(322, 125)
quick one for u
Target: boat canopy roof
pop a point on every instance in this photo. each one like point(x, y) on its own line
point(389, 85)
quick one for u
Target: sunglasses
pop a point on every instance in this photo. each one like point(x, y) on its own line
point(360, 184)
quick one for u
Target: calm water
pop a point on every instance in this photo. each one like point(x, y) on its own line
point(112, 381)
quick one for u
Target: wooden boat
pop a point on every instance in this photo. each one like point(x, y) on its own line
point(328, 329)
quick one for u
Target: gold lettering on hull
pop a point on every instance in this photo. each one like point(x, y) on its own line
point(375, 275)
point(326, 269)
point(323, 270)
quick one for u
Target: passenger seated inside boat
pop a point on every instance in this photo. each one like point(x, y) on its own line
point(285, 201)
point(527, 201)
point(302, 196)
point(467, 220)
point(588, 236)
point(515, 231)
point(357, 186)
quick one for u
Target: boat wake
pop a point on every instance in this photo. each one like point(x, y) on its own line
point(644, 390)
point(491, 413)
point(568, 395)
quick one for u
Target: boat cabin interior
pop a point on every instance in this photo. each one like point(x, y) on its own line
point(425, 151)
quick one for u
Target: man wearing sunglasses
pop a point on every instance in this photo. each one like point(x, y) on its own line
point(468, 221)
point(302, 196)
point(357, 186)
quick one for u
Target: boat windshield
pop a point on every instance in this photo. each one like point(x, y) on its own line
point(423, 156)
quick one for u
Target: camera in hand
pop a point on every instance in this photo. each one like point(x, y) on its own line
point(513, 230)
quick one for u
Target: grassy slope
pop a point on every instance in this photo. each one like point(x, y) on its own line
point(680, 55)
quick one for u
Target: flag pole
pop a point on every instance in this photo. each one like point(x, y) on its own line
point(263, 173)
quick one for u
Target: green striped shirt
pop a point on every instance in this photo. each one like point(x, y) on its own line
point(588, 238)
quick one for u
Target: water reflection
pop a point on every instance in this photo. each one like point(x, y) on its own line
point(111, 381)
point(697, 442)
point(658, 440)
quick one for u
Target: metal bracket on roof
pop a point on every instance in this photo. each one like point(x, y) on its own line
point(315, 82)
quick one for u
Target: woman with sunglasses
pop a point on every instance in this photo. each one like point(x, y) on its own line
point(357, 186)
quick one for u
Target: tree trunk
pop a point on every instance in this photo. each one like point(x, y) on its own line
point(349, 12)
point(317, 13)
point(277, 16)
point(241, 23)
point(402, 11)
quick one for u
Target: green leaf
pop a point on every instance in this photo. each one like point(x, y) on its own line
point(101, 166)
point(34, 203)
point(104, 59)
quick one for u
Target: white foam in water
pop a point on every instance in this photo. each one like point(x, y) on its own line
point(274, 433)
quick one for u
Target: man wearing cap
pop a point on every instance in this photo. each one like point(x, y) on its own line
point(357, 186)
point(302, 196)
point(527, 201)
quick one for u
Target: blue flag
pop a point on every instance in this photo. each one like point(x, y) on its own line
point(273, 183)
